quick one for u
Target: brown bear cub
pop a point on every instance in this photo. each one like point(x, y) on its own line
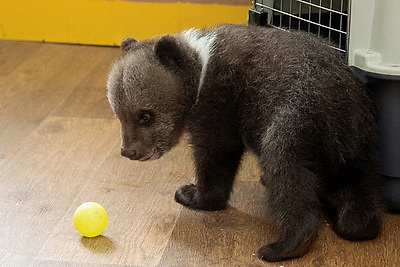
point(286, 96)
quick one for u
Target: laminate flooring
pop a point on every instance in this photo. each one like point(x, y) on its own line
point(59, 147)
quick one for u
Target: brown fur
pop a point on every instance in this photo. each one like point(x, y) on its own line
point(284, 95)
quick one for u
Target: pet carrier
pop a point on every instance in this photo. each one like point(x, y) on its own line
point(327, 18)
point(367, 32)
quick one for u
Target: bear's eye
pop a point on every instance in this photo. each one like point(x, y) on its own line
point(145, 118)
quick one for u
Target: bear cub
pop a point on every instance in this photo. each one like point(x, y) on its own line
point(284, 95)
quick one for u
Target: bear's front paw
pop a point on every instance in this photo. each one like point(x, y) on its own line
point(189, 196)
point(283, 250)
point(186, 195)
point(270, 253)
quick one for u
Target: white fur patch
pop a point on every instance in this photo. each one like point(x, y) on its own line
point(203, 45)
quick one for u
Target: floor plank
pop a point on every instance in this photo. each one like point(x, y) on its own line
point(34, 89)
point(223, 238)
point(142, 212)
point(44, 178)
point(88, 99)
point(13, 54)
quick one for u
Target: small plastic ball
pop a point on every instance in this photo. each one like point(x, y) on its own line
point(90, 219)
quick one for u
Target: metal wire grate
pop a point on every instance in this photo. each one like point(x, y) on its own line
point(326, 18)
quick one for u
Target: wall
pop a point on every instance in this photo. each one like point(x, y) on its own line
point(106, 22)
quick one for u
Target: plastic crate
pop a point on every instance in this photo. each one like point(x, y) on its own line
point(374, 51)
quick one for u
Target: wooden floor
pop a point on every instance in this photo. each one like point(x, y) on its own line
point(59, 147)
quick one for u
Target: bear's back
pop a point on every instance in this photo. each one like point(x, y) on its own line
point(264, 71)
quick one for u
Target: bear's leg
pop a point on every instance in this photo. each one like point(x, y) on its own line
point(289, 159)
point(353, 201)
point(294, 206)
point(215, 170)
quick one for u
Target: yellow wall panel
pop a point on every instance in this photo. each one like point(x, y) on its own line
point(106, 22)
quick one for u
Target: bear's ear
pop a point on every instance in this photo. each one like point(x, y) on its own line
point(126, 44)
point(168, 52)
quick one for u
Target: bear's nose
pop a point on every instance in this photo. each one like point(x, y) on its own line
point(128, 153)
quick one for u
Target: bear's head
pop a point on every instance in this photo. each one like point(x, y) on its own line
point(149, 89)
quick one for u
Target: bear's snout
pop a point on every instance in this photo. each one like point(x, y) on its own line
point(141, 155)
point(129, 153)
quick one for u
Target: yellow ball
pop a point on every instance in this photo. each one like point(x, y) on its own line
point(90, 219)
